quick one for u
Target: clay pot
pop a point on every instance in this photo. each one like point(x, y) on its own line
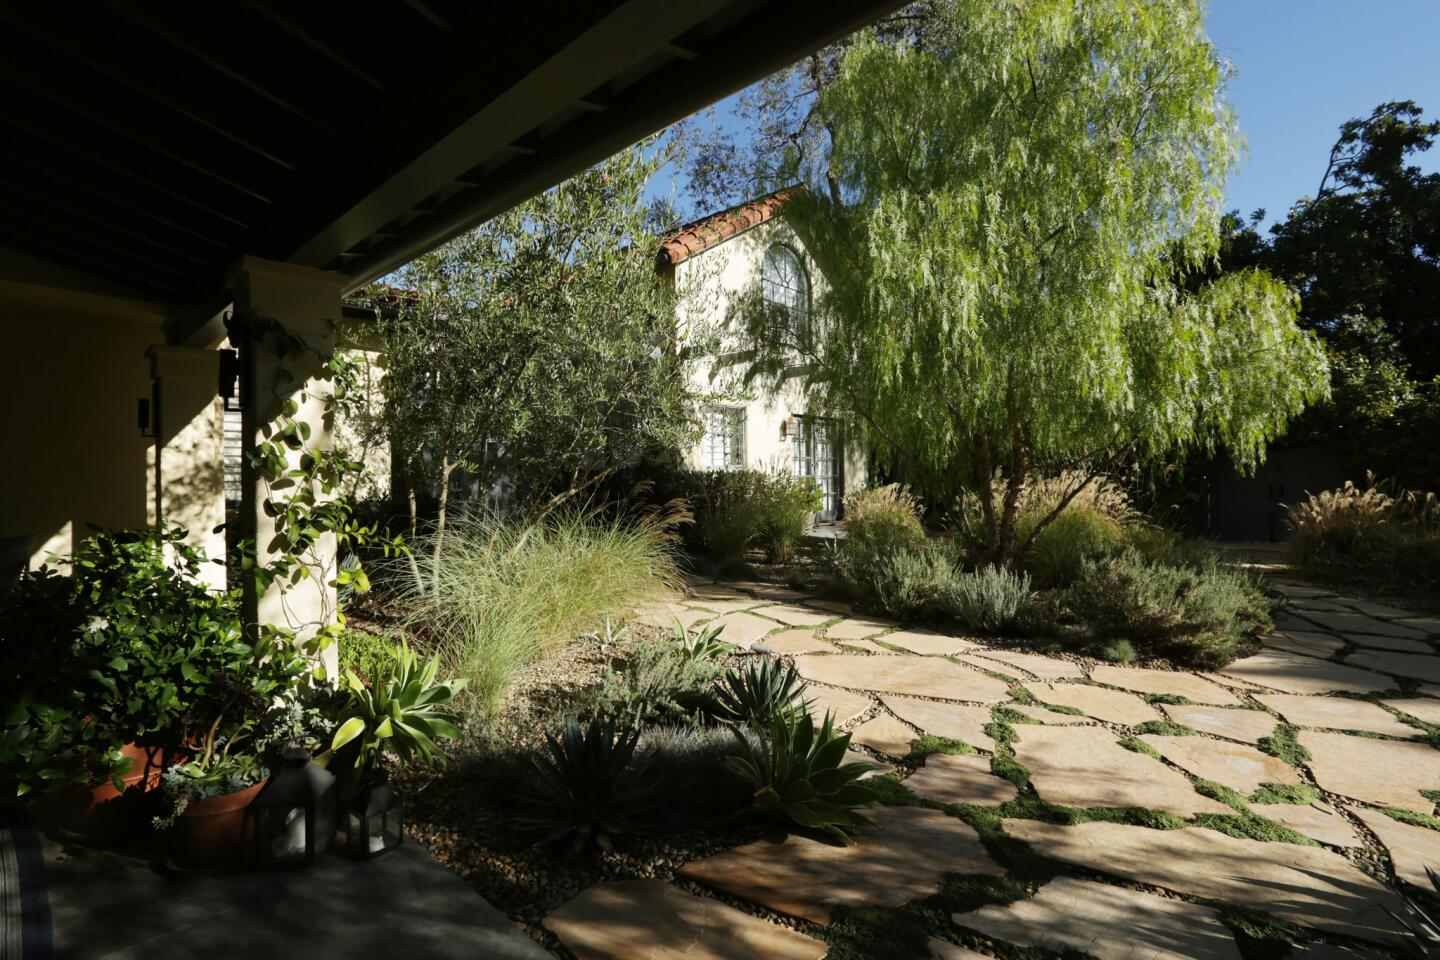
point(102, 811)
point(214, 833)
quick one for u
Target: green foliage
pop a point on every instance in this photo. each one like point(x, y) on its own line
point(1139, 746)
point(1171, 698)
point(906, 584)
point(365, 653)
point(1165, 728)
point(1250, 827)
point(1060, 549)
point(592, 787)
point(1285, 744)
point(687, 766)
point(1218, 791)
point(881, 520)
point(1413, 818)
point(928, 743)
point(890, 791)
point(758, 692)
point(492, 595)
point(658, 683)
point(786, 514)
point(1301, 793)
point(991, 599)
point(798, 772)
point(737, 509)
point(1192, 616)
point(701, 644)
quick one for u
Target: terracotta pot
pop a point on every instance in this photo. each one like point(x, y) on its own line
point(218, 832)
point(101, 810)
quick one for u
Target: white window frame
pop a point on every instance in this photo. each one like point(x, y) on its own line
point(785, 286)
point(723, 443)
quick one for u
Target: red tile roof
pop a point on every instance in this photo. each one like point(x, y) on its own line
point(718, 227)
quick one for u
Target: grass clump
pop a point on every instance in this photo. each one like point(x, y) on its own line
point(1412, 818)
point(738, 509)
point(1165, 728)
point(1009, 715)
point(1173, 699)
point(890, 791)
point(1285, 745)
point(1066, 710)
point(928, 743)
point(492, 595)
point(1251, 827)
point(1297, 793)
point(1140, 746)
point(1218, 791)
point(656, 683)
point(1258, 935)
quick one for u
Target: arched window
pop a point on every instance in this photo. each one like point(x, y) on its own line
point(785, 290)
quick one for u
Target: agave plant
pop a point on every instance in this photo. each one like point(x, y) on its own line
point(704, 644)
point(758, 693)
point(593, 786)
point(1424, 928)
point(799, 772)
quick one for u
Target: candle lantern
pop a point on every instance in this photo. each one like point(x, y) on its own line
point(295, 813)
point(373, 822)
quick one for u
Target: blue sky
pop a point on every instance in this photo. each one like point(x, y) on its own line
point(1303, 67)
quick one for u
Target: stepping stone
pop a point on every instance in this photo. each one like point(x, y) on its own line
point(666, 621)
point(792, 643)
point(793, 616)
point(742, 629)
point(916, 676)
point(1164, 682)
point(1336, 713)
point(1232, 723)
point(1309, 886)
point(1331, 951)
point(1233, 765)
point(1107, 922)
point(928, 644)
point(781, 594)
point(1421, 708)
point(839, 607)
point(868, 646)
point(1298, 591)
point(1087, 767)
point(1292, 674)
point(965, 779)
point(625, 919)
point(1410, 848)
point(660, 614)
point(901, 859)
point(854, 629)
point(886, 734)
point(733, 605)
point(1052, 717)
point(1317, 820)
point(1321, 605)
point(1388, 773)
point(1112, 706)
point(846, 706)
point(994, 666)
point(1288, 621)
point(715, 591)
point(1376, 609)
point(1421, 666)
point(1305, 643)
point(857, 756)
point(1360, 623)
point(1398, 644)
point(1430, 625)
point(950, 720)
point(945, 950)
point(1046, 668)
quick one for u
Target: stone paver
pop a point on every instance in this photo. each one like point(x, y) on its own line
point(1398, 644)
point(1112, 706)
point(1292, 674)
point(868, 646)
point(1305, 643)
point(993, 666)
point(950, 720)
point(1046, 668)
point(901, 859)
point(846, 706)
point(1376, 609)
point(1310, 886)
point(1428, 625)
point(1087, 767)
point(1421, 666)
point(742, 629)
point(731, 605)
point(964, 779)
point(1360, 623)
point(878, 769)
point(1235, 724)
point(916, 676)
point(854, 629)
point(1421, 708)
point(1233, 765)
point(664, 618)
point(1299, 591)
point(1336, 713)
point(792, 643)
point(627, 919)
point(1317, 820)
point(838, 607)
point(945, 950)
point(1052, 717)
point(1163, 682)
point(1108, 922)
point(928, 644)
point(886, 734)
point(1384, 772)
point(1411, 848)
point(795, 616)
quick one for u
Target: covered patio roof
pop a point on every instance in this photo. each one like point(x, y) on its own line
point(150, 146)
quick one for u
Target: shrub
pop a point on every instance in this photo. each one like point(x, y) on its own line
point(758, 692)
point(904, 583)
point(990, 600)
point(687, 762)
point(786, 512)
point(1194, 616)
point(366, 654)
point(592, 787)
point(737, 509)
point(1078, 534)
point(495, 594)
point(798, 772)
point(882, 520)
point(658, 682)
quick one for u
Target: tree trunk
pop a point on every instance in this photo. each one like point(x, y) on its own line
point(447, 467)
point(1018, 473)
point(985, 467)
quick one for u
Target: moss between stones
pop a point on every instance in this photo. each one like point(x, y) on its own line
point(1165, 728)
point(1247, 826)
point(1061, 708)
point(928, 743)
point(1413, 818)
point(1301, 793)
point(1019, 694)
point(1171, 698)
point(1284, 745)
point(1140, 746)
point(1218, 791)
point(1258, 935)
point(892, 791)
point(1011, 715)
point(1003, 763)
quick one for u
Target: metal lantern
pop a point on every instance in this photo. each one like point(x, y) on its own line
point(373, 821)
point(295, 813)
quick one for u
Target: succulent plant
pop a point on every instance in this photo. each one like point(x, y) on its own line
point(704, 644)
point(798, 772)
point(759, 692)
point(1422, 923)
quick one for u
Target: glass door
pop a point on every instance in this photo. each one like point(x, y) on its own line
point(818, 455)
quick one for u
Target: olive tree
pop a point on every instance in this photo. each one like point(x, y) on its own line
point(1020, 202)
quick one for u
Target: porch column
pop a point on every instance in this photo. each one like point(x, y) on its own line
point(285, 318)
point(188, 483)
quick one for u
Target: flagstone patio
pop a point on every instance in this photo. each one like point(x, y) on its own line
point(1332, 713)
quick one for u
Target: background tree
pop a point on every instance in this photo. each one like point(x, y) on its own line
point(539, 347)
point(1015, 199)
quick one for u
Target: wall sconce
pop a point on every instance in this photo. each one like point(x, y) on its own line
point(790, 428)
point(145, 410)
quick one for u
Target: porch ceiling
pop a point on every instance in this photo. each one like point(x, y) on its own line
point(151, 144)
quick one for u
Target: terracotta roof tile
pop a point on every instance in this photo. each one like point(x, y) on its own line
point(718, 227)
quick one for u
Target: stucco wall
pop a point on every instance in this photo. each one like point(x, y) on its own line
point(709, 283)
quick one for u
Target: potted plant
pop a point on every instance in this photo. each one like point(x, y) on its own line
point(399, 714)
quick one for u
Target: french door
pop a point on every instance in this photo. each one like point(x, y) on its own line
point(817, 454)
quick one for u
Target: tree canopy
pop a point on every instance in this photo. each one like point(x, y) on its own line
point(1004, 216)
